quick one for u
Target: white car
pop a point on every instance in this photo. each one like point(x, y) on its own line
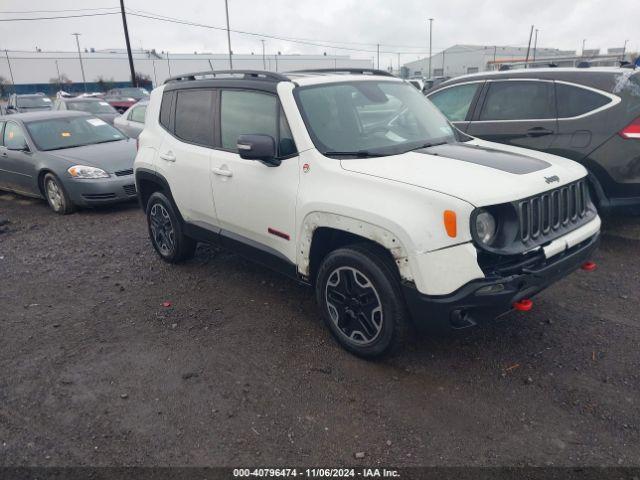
point(354, 183)
point(131, 122)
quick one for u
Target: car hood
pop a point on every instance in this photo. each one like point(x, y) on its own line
point(110, 156)
point(481, 173)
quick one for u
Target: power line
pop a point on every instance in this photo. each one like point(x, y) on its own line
point(57, 17)
point(57, 11)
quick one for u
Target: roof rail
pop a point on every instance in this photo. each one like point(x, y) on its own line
point(246, 75)
point(360, 71)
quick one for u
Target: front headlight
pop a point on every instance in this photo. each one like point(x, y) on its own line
point(83, 171)
point(486, 227)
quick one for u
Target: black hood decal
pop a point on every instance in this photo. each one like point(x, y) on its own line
point(488, 157)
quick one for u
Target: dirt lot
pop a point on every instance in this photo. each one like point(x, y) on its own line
point(240, 370)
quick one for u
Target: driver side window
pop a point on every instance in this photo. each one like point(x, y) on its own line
point(14, 138)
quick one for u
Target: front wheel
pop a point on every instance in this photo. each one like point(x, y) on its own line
point(57, 197)
point(165, 230)
point(359, 293)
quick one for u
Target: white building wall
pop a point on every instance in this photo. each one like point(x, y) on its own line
point(32, 67)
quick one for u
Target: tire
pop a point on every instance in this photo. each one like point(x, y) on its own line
point(358, 290)
point(166, 232)
point(56, 195)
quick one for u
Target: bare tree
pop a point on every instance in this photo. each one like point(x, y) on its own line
point(3, 86)
point(104, 84)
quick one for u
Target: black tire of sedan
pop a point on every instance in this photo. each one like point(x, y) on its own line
point(57, 197)
point(165, 230)
point(358, 290)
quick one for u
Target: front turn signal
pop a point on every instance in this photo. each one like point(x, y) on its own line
point(450, 223)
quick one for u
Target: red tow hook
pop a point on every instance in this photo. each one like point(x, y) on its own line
point(589, 266)
point(523, 305)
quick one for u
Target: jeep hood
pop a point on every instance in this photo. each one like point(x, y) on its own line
point(481, 173)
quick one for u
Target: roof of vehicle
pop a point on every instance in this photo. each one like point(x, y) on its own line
point(80, 99)
point(44, 115)
point(268, 80)
point(22, 95)
point(597, 77)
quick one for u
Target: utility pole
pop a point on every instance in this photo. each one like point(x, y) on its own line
point(9, 63)
point(624, 49)
point(58, 71)
point(126, 39)
point(430, 40)
point(226, 6)
point(264, 60)
point(399, 67)
point(583, 43)
point(168, 64)
point(495, 51)
point(535, 45)
point(378, 67)
point(84, 80)
point(443, 74)
point(526, 62)
point(155, 78)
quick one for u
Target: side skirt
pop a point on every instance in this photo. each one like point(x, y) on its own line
point(246, 247)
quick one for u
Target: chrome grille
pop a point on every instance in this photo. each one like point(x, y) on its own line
point(553, 210)
point(129, 189)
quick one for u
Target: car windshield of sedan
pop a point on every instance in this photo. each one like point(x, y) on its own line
point(37, 101)
point(372, 118)
point(91, 107)
point(59, 133)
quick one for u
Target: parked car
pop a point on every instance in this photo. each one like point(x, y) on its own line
point(354, 183)
point(433, 82)
point(93, 106)
point(27, 103)
point(123, 98)
point(591, 115)
point(131, 122)
point(70, 158)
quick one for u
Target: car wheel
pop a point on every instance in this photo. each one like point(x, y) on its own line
point(56, 195)
point(165, 230)
point(358, 290)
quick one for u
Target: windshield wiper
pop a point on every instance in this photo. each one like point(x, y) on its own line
point(357, 154)
point(425, 145)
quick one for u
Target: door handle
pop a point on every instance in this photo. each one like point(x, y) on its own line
point(223, 172)
point(169, 156)
point(539, 132)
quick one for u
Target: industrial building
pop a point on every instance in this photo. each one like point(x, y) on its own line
point(28, 67)
point(464, 59)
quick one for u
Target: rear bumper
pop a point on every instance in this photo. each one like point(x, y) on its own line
point(484, 300)
point(90, 192)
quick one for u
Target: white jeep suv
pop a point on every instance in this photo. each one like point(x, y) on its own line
point(354, 183)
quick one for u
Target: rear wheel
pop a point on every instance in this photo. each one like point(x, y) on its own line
point(359, 293)
point(56, 195)
point(165, 230)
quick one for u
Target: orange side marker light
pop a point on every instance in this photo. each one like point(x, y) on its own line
point(450, 223)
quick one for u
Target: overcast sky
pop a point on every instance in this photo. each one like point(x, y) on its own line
point(398, 25)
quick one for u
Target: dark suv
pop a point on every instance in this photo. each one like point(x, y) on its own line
point(589, 115)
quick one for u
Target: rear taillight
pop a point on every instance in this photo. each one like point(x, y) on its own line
point(632, 130)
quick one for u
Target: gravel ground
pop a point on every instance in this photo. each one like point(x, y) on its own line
point(239, 370)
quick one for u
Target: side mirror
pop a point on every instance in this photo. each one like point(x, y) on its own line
point(22, 147)
point(258, 147)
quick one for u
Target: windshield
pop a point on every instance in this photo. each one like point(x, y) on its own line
point(371, 118)
point(36, 101)
point(58, 133)
point(91, 107)
point(136, 93)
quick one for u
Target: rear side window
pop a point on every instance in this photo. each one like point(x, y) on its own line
point(137, 114)
point(194, 116)
point(574, 101)
point(454, 102)
point(165, 110)
point(244, 113)
point(519, 100)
